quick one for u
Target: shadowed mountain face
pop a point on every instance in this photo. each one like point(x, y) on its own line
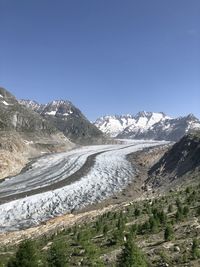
point(181, 159)
point(69, 120)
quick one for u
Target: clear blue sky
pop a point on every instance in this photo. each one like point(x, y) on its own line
point(106, 56)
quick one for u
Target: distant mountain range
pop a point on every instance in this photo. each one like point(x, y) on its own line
point(147, 125)
point(63, 116)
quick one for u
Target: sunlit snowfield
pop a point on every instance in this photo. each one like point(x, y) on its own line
point(111, 172)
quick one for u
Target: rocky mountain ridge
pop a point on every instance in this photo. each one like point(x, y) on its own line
point(24, 134)
point(68, 119)
point(117, 124)
point(148, 125)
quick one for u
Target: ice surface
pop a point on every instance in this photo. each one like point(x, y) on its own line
point(110, 173)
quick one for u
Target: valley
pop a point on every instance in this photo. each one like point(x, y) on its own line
point(59, 171)
point(63, 182)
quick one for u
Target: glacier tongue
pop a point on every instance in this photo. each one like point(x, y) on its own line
point(110, 173)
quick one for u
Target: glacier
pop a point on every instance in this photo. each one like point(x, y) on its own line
point(110, 173)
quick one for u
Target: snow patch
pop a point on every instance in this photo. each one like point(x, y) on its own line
point(53, 112)
point(5, 103)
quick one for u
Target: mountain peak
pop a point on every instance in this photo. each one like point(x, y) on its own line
point(115, 124)
point(191, 117)
point(147, 125)
point(58, 102)
point(149, 114)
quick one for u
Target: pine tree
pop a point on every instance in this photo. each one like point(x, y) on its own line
point(131, 256)
point(137, 212)
point(195, 249)
point(57, 255)
point(169, 233)
point(26, 256)
point(153, 224)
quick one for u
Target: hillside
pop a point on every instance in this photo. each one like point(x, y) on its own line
point(24, 134)
point(165, 231)
point(179, 165)
point(14, 116)
point(69, 120)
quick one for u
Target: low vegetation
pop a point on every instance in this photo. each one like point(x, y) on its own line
point(155, 232)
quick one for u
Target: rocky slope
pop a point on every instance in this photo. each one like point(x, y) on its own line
point(180, 164)
point(14, 116)
point(69, 120)
point(24, 134)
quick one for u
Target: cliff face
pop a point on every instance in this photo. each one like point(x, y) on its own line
point(181, 160)
point(24, 134)
point(14, 116)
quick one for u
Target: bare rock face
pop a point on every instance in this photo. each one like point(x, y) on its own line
point(182, 159)
point(69, 120)
point(14, 116)
point(24, 134)
point(17, 149)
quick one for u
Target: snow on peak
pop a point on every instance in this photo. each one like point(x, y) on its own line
point(58, 107)
point(53, 108)
point(113, 125)
point(34, 105)
point(5, 103)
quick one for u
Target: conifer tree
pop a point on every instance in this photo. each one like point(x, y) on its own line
point(57, 255)
point(27, 255)
point(169, 233)
point(131, 256)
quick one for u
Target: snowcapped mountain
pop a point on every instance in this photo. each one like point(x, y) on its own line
point(148, 125)
point(68, 119)
point(61, 109)
point(115, 125)
point(55, 108)
point(32, 104)
point(165, 129)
